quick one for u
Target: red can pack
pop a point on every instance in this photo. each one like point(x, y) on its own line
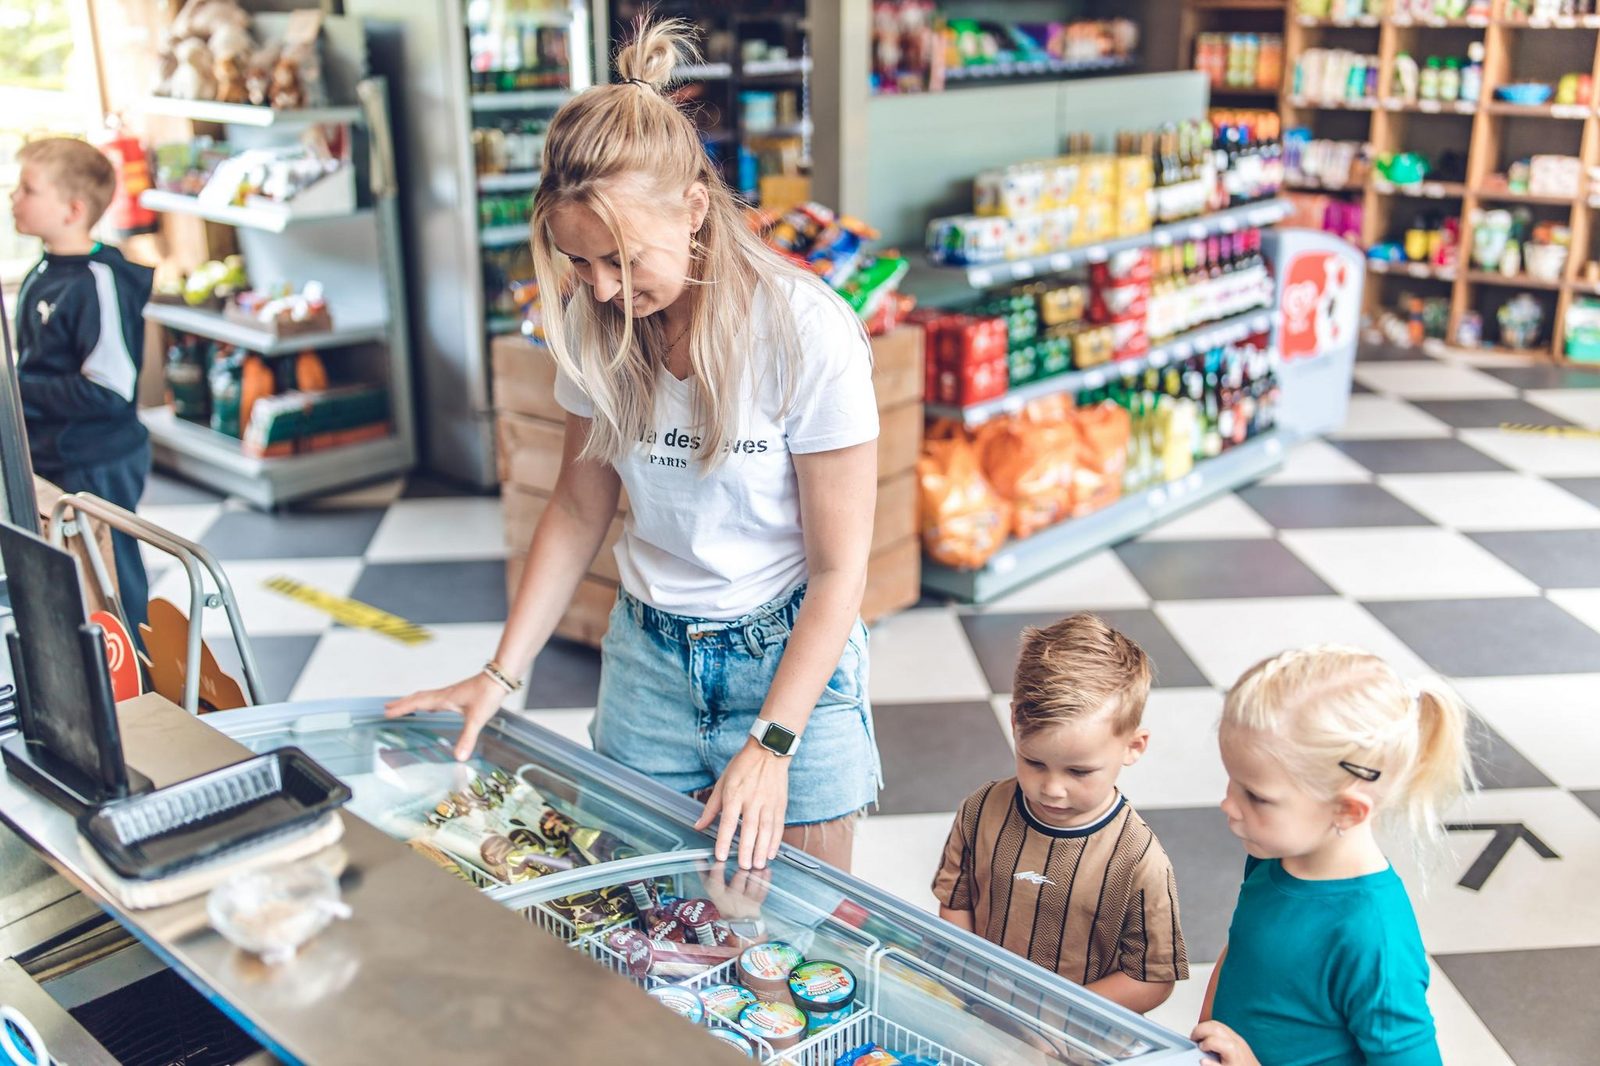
point(1134, 265)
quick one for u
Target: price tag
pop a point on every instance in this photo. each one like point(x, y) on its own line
point(1430, 106)
point(1229, 225)
point(1477, 21)
point(1307, 20)
point(1093, 379)
point(1417, 270)
point(1568, 111)
point(1274, 446)
point(1567, 22)
point(1061, 261)
point(1022, 270)
point(1437, 22)
point(1197, 232)
point(1097, 254)
point(1158, 357)
point(1182, 350)
point(1157, 497)
point(1466, 107)
point(1194, 481)
point(1003, 564)
point(1433, 189)
point(979, 279)
point(1163, 239)
point(1401, 20)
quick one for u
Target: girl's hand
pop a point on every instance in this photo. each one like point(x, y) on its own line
point(1228, 1046)
point(476, 700)
point(754, 791)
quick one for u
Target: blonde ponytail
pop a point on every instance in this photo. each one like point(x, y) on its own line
point(1336, 717)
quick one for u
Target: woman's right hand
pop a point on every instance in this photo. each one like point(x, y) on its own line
point(475, 699)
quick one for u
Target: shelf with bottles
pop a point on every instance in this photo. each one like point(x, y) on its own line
point(517, 52)
point(1515, 281)
point(1419, 271)
point(1423, 190)
point(1549, 14)
point(1240, 64)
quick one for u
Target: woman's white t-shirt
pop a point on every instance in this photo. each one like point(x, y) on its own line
point(720, 544)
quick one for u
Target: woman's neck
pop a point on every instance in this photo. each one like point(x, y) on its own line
point(1355, 854)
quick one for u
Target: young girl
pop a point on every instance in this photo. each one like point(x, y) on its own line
point(731, 394)
point(1324, 962)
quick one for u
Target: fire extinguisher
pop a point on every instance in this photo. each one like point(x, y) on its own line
point(125, 214)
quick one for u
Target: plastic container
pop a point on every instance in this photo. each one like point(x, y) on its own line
point(1524, 93)
point(680, 1001)
point(824, 991)
point(276, 909)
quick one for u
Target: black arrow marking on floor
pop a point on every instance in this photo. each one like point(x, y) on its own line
point(1505, 835)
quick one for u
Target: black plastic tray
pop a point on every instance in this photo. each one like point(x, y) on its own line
point(151, 835)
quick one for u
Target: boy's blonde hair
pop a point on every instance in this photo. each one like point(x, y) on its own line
point(629, 136)
point(1076, 669)
point(77, 169)
point(1333, 716)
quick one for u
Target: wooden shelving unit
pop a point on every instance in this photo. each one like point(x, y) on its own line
point(1494, 134)
point(1224, 16)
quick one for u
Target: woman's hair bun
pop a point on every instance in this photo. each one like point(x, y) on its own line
point(657, 47)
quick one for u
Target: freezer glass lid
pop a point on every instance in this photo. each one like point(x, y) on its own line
point(505, 817)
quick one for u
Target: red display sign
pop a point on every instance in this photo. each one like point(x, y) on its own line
point(1321, 305)
point(121, 659)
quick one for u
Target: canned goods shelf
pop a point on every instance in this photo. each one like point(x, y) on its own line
point(1230, 220)
point(1228, 331)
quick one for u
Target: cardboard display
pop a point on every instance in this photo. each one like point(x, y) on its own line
point(166, 637)
point(121, 659)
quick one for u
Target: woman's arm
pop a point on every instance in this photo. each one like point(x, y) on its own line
point(838, 495)
point(564, 544)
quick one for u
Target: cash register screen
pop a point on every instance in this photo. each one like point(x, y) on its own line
point(47, 602)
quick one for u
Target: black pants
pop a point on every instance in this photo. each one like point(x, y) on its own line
point(121, 482)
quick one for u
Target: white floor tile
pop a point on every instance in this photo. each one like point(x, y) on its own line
point(1496, 501)
point(1405, 563)
point(263, 611)
point(1097, 581)
point(1463, 1038)
point(1225, 518)
point(924, 655)
point(455, 528)
point(1225, 637)
point(1553, 720)
point(186, 520)
point(1430, 380)
point(1539, 453)
point(349, 662)
point(1181, 1011)
point(570, 724)
point(1182, 767)
point(1582, 604)
point(1316, 462)
point(1528, 902)
point(1382, 417)
point(1581, 406)
point(899, 853)
point(1470, 357)
point(1002, 713)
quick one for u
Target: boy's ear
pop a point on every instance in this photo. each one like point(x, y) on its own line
point(77, 212)
point(1138, 744)
point(1352, 808)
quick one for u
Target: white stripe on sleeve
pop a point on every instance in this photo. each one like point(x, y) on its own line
point(110, 365)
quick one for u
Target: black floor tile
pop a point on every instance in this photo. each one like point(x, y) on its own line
point(1384, 352)
point(565, 674)
point(432, 486)
point(1426, 455)
point(1358, 389)
point(1498, 764)
point(1546, 377)
point(1590, 798)
point(1585, 488)
point(1209, 863)
point(161, 490)
point(1219, 569)
point(293, 534)
point(1505, 637)
point(1330, 506)
point(279, 661)
point(936, 754)
point(1488, 414)
point(1539, 1005)
point(996, 639)
point(1551, 559)
point(436, 593)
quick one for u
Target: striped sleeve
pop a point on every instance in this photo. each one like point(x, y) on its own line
point(952, 884)
point(1151, 947)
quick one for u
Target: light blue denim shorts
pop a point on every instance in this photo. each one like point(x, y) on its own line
point(678, 696)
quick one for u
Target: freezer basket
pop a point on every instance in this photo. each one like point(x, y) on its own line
point(825, 1048)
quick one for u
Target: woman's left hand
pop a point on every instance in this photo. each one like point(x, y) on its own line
point(752, 796)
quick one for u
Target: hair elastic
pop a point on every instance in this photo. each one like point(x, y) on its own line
point(639, 81)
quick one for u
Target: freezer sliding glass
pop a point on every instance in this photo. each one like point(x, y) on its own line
point(610, 864)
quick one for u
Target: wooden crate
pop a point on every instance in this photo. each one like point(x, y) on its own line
point(524, 379)
point(587, 617)
point(894, 580)
point(522, 510)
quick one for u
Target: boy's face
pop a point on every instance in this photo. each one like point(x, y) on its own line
point(1068, 772)
point(1266, 809)
point(39, 210)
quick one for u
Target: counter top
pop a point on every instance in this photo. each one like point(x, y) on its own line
point(426, 970)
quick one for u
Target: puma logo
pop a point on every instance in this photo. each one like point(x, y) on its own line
point(1034, 878)
point(45, 311)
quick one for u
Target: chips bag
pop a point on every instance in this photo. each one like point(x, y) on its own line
point(964, 521)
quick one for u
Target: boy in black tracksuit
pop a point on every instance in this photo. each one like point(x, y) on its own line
point(80, 341)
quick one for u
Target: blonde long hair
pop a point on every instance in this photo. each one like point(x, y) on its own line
point(628, 130)
point(1314, 709)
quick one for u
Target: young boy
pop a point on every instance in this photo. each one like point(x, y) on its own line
point(1053, 864)
point(80, 342)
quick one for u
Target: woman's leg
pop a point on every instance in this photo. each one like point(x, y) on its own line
point(832, 842)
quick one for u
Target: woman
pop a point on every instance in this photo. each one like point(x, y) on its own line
point(731, 394)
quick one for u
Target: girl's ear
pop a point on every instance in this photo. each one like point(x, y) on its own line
point(1351, 809)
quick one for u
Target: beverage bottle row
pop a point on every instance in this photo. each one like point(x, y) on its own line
point(1200, 281)
point(1247, 148)
point(1240, 60)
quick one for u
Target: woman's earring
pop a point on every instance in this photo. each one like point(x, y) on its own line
point(1338, 829)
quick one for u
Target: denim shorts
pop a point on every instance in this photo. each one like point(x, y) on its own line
point(678, 696)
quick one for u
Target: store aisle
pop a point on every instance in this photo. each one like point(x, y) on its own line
point(1422, 531)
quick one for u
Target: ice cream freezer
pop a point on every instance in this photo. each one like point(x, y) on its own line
point(799, 964)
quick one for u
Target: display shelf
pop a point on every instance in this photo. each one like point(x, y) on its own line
point(247, 115)
point(1025, 560)
point(1181, 347)
point(1430, 107)
point(1470, 22)
point(1561, 22)
point(702, 71)
point(269, 219)
point(1560, 112)
point(1583, 288)
point(1316, 186)
point(1002, 73)
point(1412, 270)
point(1360, 22)
point(1231, 220)
point(1519, 281)
point(503, 236)
point(512, 181)
point(1427, 190)
point(1306, 103)
point(1507, 196)
point(766, 68)
point(219, 327)
point(203, 455)
point(1256, 92)
point(523, 100)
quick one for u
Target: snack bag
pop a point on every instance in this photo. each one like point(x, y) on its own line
point(1103, 431)
point(1032, 462)
point(964, 521)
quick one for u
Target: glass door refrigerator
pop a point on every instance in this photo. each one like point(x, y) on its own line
point(799, 964)
point(475, 83)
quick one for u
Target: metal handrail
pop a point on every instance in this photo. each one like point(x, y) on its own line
point(86, 507)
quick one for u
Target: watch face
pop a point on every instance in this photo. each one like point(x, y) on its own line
point(779, 741)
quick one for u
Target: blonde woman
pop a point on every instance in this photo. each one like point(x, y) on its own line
point(731, 395)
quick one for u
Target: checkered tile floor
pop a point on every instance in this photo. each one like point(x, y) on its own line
point(1421, 530)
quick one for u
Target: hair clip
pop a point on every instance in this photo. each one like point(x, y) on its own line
point(1366, 773)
